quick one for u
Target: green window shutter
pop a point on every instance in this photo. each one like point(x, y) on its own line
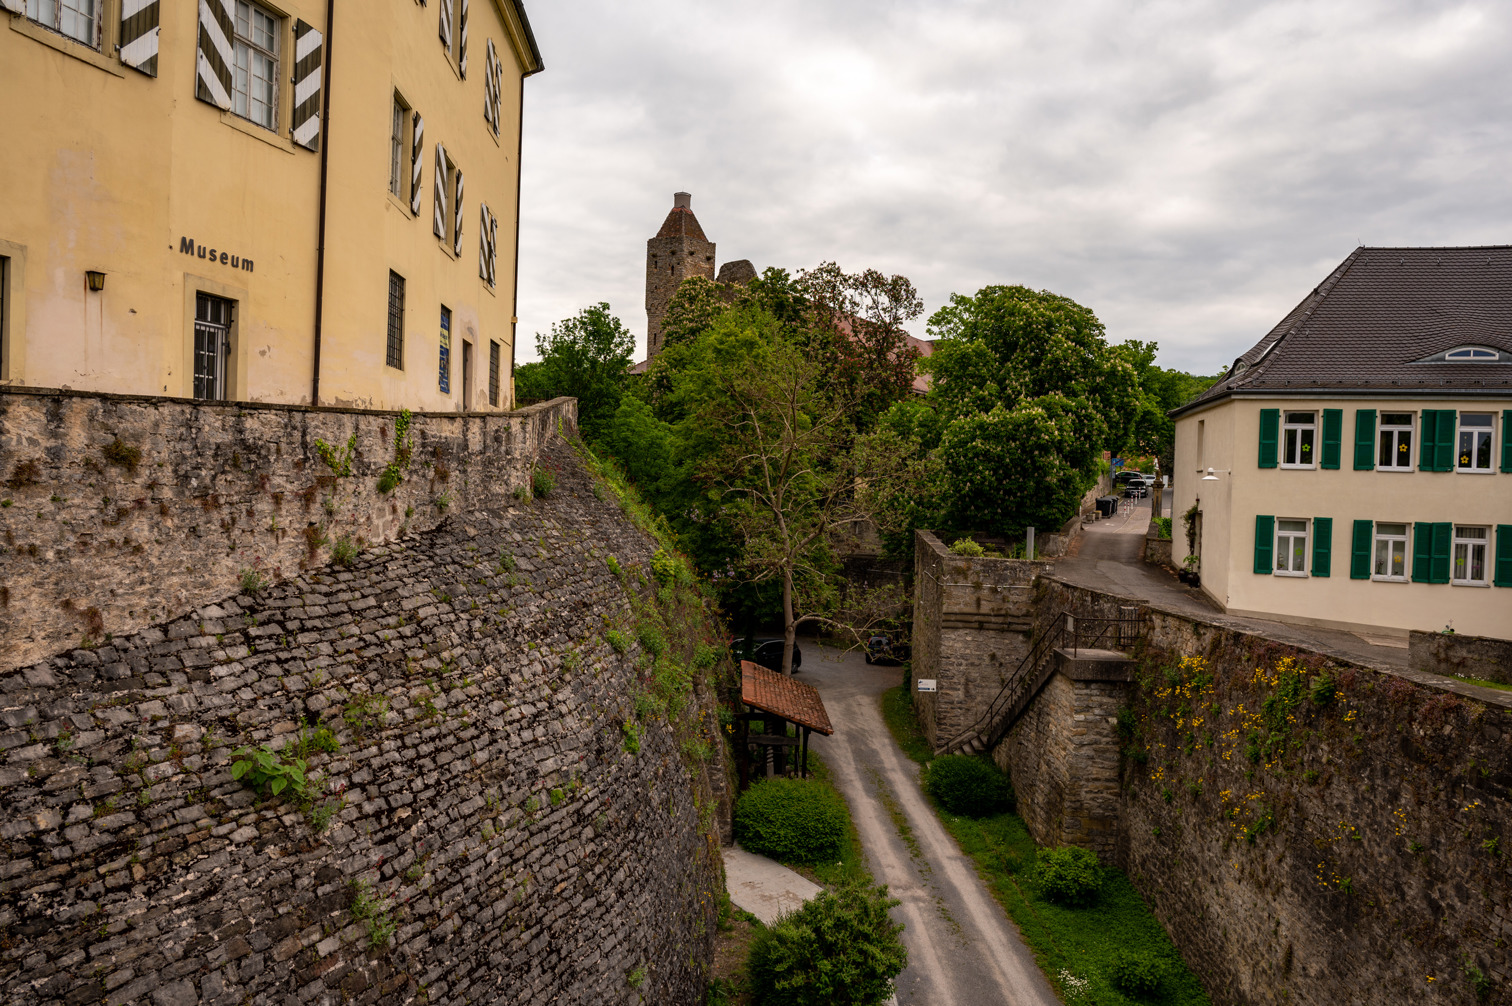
point(1365, 440)
point(1333, 435)
point(1443, 447)
point(1270, 436)
point(1503, 576)
point(1507, 440)
point(1442, 534)
point(1422, 552)
point(1429, 424)
point(1322, 564)
point(1359, 551)
point(1265, 543)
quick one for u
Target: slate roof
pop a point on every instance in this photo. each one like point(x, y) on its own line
point(1383, 309)
point(776, 693)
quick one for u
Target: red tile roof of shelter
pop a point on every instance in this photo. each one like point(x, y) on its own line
point(776, 693)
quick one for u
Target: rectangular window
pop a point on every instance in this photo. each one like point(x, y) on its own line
point(1474, 442)
point(78, 19)
point(1298, 433)
point(395, 357)
point(444, 381)
point(1469, 556)
point(1390, 552)
point(1291, 547)
point(399, 149)
point(493, 373)
point(1395, 441)
point(254, 87)
point(212, 346)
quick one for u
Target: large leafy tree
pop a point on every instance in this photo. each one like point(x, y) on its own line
point(1160, 391)
point(584, 357)
point(1029, 394)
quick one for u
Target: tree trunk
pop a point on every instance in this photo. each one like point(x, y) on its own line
point(789, 627)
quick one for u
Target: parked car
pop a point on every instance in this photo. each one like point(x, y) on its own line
point(766, 651)
point(883, 649)
point(1128, 475)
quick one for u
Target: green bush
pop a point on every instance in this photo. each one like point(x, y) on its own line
point(543, 480)
point(664, 566)
point(1163, 528)
point(1069, 875)
point(840, 949)
point(965, 546)
point(1137, 974)
point(792, 820)
point(965, 785)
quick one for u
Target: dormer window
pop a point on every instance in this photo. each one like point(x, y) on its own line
point(1470, 354)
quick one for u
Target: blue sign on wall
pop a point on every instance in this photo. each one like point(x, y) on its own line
point(445, 351)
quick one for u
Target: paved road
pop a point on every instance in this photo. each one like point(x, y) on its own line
point(962, 950)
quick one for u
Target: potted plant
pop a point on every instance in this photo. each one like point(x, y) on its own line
point(1189, 574)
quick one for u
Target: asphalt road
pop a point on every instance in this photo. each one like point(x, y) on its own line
point(962, 949)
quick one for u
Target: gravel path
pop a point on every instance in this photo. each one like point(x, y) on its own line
point(962, 949)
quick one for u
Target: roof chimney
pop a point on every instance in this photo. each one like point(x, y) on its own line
point(682, 201)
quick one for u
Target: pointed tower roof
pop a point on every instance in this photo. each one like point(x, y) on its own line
point(681, 223)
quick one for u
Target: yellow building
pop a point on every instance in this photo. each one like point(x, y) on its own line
point(1354, 468)
point(181, 217)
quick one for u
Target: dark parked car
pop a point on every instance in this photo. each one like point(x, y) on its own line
point(765, 651)
point(882, 649)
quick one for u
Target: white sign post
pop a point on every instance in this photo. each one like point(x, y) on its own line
point(926, 684)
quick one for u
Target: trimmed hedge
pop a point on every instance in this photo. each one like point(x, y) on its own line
point(965, 785)
point(840, 949)
point(792, 820)
point(1068, 875)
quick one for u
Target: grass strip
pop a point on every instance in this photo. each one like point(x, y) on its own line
point(1075, 947)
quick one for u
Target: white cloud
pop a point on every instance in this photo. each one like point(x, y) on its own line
point(1187, 170)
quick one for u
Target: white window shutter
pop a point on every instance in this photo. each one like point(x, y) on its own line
point(213, 60)
point(308, 53)
point(438, 223)
point(139, 34)
point(446, 14)
point(483, 242)
point(14, 6)
point(493, 249)
point(457, 218)
point(462, 39)
point(417, 163)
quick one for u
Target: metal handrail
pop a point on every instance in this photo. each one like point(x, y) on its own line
point(1082, 635)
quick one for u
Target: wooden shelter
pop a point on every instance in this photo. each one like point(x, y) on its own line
point(772, 701)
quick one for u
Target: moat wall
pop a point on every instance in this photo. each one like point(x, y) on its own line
point(482, 785)
point(120, 511)
point(1305, 849)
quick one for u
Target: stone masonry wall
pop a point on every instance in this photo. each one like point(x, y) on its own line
point(972, 618)
point(481, 789)
point(1303, 847)
point(1063, 758)
point(117, 512)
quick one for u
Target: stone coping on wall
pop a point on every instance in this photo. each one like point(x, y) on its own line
point(1458, 653)
point(1331, 643)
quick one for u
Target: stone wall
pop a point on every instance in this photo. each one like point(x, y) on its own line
point(1063, 755)
point(972, 618)
point(1302, 848)
point(117, 512)
point(1455, 653)
point(479, 680)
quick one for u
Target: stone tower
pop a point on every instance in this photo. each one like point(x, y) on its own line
point(678, 251)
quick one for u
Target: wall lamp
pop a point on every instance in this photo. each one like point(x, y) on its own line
point(95, 279)
point(1212, 474)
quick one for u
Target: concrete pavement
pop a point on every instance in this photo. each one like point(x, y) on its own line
point(962, 948)
point(764, 887)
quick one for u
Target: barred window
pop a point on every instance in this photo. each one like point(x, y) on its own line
point(396, 321)
point(493, 373)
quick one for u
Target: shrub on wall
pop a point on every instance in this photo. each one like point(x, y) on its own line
point(792, 820)
point(840, 949)
point(966, 785)
point(1069, 875)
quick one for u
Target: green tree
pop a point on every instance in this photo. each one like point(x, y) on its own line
point(1160, 391)
point(584, 357)
point(840, 949)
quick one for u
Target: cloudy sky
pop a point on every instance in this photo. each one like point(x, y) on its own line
point(1188, 170)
